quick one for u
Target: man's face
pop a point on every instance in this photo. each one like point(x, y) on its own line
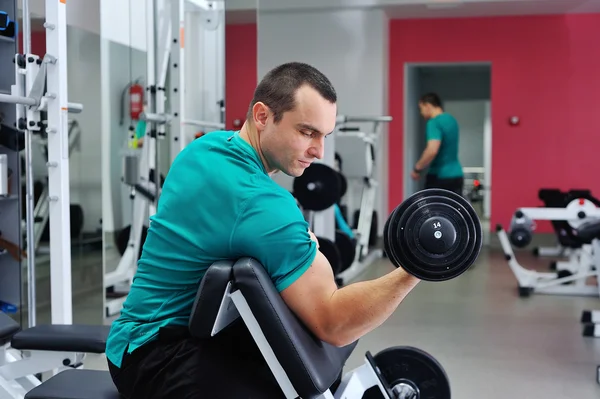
point(299, 138)
point(425, 110)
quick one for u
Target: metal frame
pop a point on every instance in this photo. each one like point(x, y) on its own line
point(29, 96)
point(17, 370)
point(533, 282)
point(364, 253)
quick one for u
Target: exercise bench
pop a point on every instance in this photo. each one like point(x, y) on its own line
point(43, 348)
point(303, 365)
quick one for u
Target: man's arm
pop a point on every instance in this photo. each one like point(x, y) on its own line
point(433, 136)
point(341, 316)
point(429, 154)
point(272, 230)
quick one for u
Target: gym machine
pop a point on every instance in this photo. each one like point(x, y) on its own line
point(40, 84)
point(40, 212)
point(351, 140)
point(566, 245)
point(581, 216)
point(320, 187)
point(141, 165)
point(449, 235)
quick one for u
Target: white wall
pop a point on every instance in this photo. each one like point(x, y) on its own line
point(124, 22)
point(349, 47)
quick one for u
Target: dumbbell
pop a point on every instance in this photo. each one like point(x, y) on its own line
point(435, 235)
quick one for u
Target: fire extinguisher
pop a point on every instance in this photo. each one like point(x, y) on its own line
point(136, 101)
point(134, 94)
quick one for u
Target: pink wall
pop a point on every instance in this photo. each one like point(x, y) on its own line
point(545, 70)
point(240, 71)
point(38, 42)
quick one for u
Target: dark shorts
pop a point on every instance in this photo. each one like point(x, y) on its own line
point(227, 366)
point(453, 184)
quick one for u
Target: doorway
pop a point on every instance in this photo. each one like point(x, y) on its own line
point(465, 90)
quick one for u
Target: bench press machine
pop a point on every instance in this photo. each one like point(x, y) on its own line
point(582, 217)
point(302, 365)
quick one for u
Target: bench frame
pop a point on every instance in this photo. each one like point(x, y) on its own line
point(354, 383)
point(534, 282)
point(19, 367)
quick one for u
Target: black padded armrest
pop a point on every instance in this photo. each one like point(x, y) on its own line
point(311, 364)
point(588, 231)
point(8, 328)
point(208, 298)
point(63, 337)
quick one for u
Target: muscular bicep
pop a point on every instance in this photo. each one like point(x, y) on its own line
point(309, 296)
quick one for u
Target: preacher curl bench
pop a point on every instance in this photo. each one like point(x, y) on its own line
point(302, 365)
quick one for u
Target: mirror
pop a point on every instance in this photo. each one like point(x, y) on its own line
point(163, 86)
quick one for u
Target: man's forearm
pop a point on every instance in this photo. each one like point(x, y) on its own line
point(425, 160)
point(361, 307)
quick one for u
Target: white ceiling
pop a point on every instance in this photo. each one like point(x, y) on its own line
point(244, 11)
point(492, 8)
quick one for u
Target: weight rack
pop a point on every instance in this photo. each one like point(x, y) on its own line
point(38, 84)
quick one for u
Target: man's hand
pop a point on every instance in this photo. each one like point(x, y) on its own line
point(313, 237)
point(415, 175)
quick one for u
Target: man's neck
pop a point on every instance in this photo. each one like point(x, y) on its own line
point(436, 112)
point(249, 133)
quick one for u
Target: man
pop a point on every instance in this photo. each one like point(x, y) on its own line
point(219, 202)
point(441, 152)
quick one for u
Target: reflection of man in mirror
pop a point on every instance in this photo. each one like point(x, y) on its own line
point(441, 151)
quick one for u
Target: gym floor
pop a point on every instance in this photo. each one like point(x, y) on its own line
point(492, 343)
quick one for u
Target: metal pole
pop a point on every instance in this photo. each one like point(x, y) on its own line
point(26, 28)
point(58, 160)
point(29, 204)
point(7, 98)
point(211, 125)
point(345, 119)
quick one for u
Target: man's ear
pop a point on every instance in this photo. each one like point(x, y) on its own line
point(260, 114)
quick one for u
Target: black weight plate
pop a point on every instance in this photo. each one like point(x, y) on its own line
point(329, 249)
point(317, 188)
point(122, 239)
point(416, 368)
point(77, 220)
point(409, 235)
point(347, 249)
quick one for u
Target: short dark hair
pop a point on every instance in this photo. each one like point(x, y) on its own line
point(278, 88)
point(431, 98)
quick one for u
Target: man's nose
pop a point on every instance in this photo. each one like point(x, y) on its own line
point(317, 150)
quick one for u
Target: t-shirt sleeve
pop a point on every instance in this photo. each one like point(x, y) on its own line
point(271, 229)
point(433, 131)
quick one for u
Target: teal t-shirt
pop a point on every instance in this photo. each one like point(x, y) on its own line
point(446, 164)
point(218, 202)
